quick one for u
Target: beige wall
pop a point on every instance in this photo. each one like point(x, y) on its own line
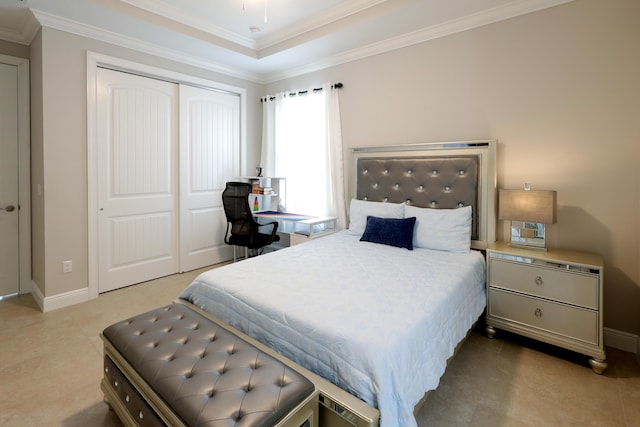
point(37, 165)
point(559, 90)
point(60, 149)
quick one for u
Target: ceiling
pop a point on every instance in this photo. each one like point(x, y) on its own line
point(259, 40)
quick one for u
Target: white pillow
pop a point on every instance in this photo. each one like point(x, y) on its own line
point(441, 229)
point(360, 209)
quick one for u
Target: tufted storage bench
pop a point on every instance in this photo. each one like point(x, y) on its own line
point(172, 366)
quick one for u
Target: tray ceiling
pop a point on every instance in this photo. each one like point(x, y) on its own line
point(232, 37)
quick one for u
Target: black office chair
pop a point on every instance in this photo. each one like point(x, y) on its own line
point(242, 228)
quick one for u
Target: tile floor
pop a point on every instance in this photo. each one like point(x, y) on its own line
point(51, 366)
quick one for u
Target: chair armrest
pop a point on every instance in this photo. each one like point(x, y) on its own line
point(273, 224)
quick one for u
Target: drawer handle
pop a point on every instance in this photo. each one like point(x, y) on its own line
point(538, 281)
point(538, 313)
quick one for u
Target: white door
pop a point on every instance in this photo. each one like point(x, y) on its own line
point(209, 156)
point(9, 220)
point(137, 179)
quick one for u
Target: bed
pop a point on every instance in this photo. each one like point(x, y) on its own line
point(368, 308)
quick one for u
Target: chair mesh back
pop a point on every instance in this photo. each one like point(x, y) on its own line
point(235, 199)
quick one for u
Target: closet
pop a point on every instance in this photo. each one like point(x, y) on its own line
point(164, 152)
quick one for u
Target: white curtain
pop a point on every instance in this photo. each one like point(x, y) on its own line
point(302, 142)
point(268, 154)
point(336, 203)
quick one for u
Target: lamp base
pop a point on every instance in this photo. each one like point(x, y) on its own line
point(528, 235)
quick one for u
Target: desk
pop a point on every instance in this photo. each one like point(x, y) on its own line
point(296, 228)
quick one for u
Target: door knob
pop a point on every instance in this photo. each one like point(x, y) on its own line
point(9, 208)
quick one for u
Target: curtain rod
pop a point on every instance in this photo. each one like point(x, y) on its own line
point(303, 92)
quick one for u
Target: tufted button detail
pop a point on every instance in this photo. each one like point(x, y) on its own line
point(376, 185)
point(396, 186)
point(366, 171)
point(461, 172)
point(433, 203)
point(201, 379)
point(460, 204)
point(447, 188)
point(407, 202)
point(385, 172)
point(420, 187)
point(386, 199)
point(434, 172)
point(409, 172)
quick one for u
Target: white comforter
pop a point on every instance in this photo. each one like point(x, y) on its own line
point(378, 321)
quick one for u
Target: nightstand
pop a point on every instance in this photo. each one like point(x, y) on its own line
point(553, 296)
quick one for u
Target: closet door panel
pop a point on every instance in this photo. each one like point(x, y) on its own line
point(209, 157)
point(137, 179)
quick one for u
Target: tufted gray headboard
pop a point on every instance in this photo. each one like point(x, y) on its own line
point(427, 182)
point(440, 176)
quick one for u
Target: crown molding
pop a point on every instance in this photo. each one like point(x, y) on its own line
point(89, 31)
point(13, 36)
point(490, 16)
point(344, 10)
point(175, 14)
point(510, 10)
point(25, 35)
point(317, 21)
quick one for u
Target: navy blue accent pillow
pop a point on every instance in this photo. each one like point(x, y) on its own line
point(396, 232)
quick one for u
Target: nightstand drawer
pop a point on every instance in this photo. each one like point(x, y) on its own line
point(571, 322)
point(546, 282)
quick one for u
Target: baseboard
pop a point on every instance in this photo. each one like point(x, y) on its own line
point(622, 340)
point(59, 301)
point(37, 295)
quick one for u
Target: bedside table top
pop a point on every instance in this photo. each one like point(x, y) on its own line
point(552, 255)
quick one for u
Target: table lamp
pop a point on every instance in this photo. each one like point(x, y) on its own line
point(528, 211)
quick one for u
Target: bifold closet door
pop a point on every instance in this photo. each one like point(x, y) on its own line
point(137, 179)
point(209, 157)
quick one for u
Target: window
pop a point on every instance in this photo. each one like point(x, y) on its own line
point(302, 142)
point(301, 153)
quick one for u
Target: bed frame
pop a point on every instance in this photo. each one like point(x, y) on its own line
point(442, 175)
point(437, 175)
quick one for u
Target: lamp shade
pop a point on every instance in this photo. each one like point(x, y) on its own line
point(528, 205)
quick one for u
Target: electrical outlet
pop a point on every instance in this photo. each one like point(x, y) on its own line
point(67, 266)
